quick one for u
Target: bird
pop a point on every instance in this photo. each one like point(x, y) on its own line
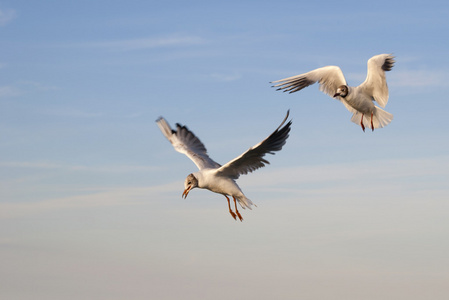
point(218, 178)
point(358, 100)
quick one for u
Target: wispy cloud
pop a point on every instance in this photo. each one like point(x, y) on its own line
point(225, 77)
point(68, 167)
point(386, 169)
point(6, 16)
point(37, 86)
point(14, 209)
point(9, 91)
point(409, 78)
point(88, 199)
point(386, 178)
point(420, 78)
point(392, 179)
point(71, 113)
point(142, 43)
point(24, 87)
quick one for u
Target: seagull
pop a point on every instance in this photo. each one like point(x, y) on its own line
point(358, 100)
point(221, 179)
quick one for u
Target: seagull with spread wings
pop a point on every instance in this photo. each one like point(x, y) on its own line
point(217, 178)
point(358, 100)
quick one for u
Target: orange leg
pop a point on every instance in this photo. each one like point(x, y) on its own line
point(230, 210)
point(361, 123)
point(236, 210)
point(372, 126)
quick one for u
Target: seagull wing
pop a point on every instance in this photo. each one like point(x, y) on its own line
point(329, 78)
point(375, 83)
point(253, 159)
point(184, 141)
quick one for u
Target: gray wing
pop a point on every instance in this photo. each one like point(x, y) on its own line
point(253, 159)
point(184, 141)
point(375, 83)
point(329, 78)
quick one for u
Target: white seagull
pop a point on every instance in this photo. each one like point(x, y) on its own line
point(217, 178)
point(358, 100)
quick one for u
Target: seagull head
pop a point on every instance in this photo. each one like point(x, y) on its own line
point(190, 183)
point(342, 91)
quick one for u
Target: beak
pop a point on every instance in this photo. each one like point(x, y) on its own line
point(336, 94)
point(186, 192)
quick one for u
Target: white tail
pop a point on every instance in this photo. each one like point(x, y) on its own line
point(381, 118)
point(245, 202)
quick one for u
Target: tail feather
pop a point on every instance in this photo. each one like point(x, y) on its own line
point(245, 202)
point(381, 118)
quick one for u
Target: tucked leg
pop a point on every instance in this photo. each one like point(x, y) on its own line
point(236, 210)
point(230, 210)
point(372, 126)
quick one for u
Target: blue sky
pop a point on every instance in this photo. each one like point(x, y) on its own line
point(90, 190)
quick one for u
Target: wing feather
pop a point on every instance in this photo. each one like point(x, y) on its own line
point(375, 83)
point(253, 159)
point(184, 141)
point(329, 78)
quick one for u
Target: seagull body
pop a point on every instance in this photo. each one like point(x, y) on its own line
point(212, 180)
point(213, 176)
point(358, 100)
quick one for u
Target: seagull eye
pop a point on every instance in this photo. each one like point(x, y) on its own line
point(189, 182)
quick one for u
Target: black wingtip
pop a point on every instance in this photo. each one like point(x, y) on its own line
point(285, 119)
point(389, 63)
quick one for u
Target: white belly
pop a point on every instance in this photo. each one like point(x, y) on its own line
point(221, 185)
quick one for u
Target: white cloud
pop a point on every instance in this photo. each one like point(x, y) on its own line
point(388, 179)
point(419, 78)
point(23, 87)
point(143, 43)
point(37, 86)
point(409, 78)
point(66, 167)
point(9, 91)
point(7, 16)
point(89, 198)
point(14, 209)
point(387, 169)
point(71, 113)
point(393, 179)
point(225, 77)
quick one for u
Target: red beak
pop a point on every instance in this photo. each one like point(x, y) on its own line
point(186, 192)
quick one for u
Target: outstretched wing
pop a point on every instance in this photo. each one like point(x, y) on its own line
point(253, 159)
point(329, 78)
point(375, 83)
point(184, 141)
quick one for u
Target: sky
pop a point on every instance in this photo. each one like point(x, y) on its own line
point(90, 190)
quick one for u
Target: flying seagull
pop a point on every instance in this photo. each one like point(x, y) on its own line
point(217, 178)
point(358, 100)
